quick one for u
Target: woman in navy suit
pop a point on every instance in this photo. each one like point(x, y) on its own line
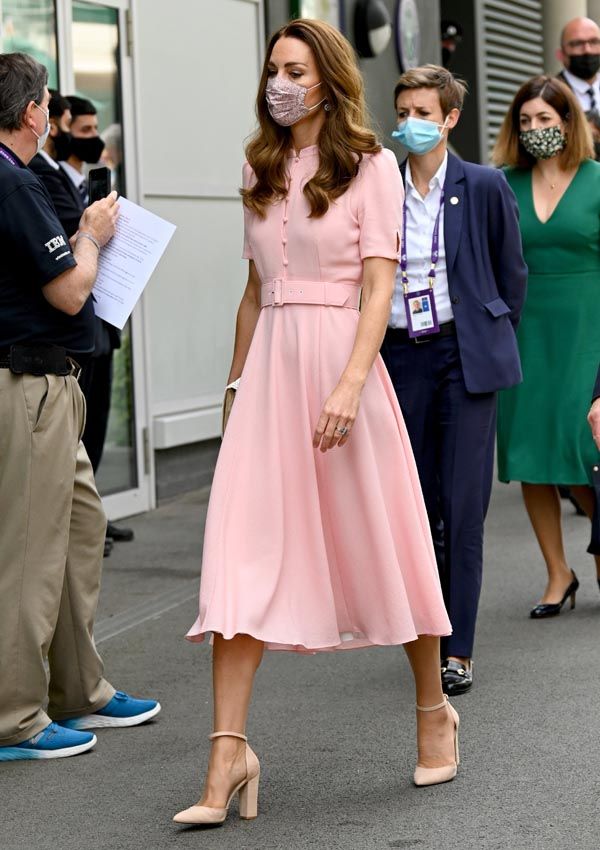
point(461, 251)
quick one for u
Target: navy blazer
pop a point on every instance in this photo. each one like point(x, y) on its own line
point(487, 275)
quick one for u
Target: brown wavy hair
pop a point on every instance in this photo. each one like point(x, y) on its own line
point(344, 138)
point(508, 150)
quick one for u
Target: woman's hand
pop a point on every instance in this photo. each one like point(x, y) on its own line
point(339, 413)
point(594, 420)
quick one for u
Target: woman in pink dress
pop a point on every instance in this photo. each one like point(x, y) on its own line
point(317, 537)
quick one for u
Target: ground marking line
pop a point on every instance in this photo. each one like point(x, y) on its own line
point(110, 627)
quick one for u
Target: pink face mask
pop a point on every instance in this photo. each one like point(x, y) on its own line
point(285, 101)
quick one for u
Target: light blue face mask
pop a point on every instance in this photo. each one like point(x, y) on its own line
point(418, 135)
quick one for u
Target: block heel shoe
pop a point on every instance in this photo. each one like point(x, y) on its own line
point(437, 775)
point(247, 791)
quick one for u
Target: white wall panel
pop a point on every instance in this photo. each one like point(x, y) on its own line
point(193, 297)
point(198, 79)
point(197, 67)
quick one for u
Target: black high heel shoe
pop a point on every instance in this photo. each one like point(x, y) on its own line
point(553, 609)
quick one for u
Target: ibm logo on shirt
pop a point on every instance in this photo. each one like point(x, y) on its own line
point(56, 242)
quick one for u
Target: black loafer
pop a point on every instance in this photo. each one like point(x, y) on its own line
point(108, 545)
point(118, 533)
point(456, 677)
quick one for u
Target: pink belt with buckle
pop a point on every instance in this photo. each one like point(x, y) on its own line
point(277, 292)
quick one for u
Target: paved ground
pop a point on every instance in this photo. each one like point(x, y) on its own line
point(335, 734)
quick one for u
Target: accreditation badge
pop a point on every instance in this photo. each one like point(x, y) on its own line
point(421, 313)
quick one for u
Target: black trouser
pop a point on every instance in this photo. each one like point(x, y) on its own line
point(452, 436)
point(96, 383)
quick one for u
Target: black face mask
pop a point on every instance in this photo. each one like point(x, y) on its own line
point(585, 66)
point(88, 150)
point(62, 145)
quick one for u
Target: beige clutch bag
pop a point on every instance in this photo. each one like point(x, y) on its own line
point(230, 392)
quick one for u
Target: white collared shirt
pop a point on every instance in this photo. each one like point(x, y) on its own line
point(76, 176)
point(421, 214)
point(581, 89)
point(49, 160)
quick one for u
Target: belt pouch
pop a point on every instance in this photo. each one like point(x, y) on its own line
point(38, 360)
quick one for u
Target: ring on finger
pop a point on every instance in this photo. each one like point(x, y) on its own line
point(343, 430)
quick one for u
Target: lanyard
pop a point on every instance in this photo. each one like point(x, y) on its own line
point(5, 155)
point(435, 247)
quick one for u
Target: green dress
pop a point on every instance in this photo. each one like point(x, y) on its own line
point(543, 434)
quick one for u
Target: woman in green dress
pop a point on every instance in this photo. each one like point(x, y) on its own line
point(543, 436)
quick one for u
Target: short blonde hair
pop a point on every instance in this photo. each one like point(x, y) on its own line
point(508, 150)
point(451, 90)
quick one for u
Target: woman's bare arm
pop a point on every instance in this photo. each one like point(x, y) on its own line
point(247, 317)
point(341, 408)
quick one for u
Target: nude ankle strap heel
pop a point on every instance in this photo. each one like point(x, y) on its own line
point(247, 791)
point(437, 775)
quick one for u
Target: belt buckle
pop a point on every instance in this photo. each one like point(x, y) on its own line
point(419, 340)
point(277, 292)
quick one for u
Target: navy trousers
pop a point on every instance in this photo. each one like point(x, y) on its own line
point(452, 435)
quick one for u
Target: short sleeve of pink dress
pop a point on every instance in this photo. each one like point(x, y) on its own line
point(247, 178)
point(304, 550)
point(380, 197)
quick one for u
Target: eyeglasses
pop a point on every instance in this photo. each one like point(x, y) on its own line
point(580, 43)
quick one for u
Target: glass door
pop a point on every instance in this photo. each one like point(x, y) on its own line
point(86, 48)
point(101, 73)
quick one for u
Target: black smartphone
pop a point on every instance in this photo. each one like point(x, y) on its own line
point(98, 183)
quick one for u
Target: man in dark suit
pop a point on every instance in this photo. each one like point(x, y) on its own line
point(461, 245)
point(579, 53)
point(65, 197)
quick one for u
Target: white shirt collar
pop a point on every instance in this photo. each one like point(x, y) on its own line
point(49, 160)
point(579, 85)
point(438, 178)
point(75, 175)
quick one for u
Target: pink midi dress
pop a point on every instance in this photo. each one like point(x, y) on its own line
point(305, 550)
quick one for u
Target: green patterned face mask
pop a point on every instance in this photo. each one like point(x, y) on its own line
point(543, 143)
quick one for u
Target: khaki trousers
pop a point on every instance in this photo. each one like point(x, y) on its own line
point(52, 528)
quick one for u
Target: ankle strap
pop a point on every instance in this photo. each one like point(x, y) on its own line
point(433, 707)
point(228, 735)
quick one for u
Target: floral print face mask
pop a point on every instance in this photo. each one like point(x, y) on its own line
point(543, 143)
point(285, 101)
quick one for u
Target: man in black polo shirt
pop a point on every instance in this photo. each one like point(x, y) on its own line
point(51, 519)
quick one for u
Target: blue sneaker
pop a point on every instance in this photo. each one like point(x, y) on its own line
point(122, 710)
point(53, 742)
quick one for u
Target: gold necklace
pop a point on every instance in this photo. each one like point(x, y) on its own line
point(546, 181)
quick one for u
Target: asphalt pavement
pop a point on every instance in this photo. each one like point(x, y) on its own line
point(335, 733)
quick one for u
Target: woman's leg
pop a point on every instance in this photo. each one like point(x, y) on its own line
point(435, 729)
point(235, 663)
point(543, 506)
point(586, 498)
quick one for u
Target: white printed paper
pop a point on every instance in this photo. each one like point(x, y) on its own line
point(126, 263)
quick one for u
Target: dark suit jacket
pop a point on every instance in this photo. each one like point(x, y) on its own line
point(69, 209)
point(597, 387)
point(487, 275)
point(561, 76)
point(67, 200)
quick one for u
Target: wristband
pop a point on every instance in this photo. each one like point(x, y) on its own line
point(85, 235)
point(233, 385)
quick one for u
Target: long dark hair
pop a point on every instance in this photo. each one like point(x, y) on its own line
point(343, 140)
